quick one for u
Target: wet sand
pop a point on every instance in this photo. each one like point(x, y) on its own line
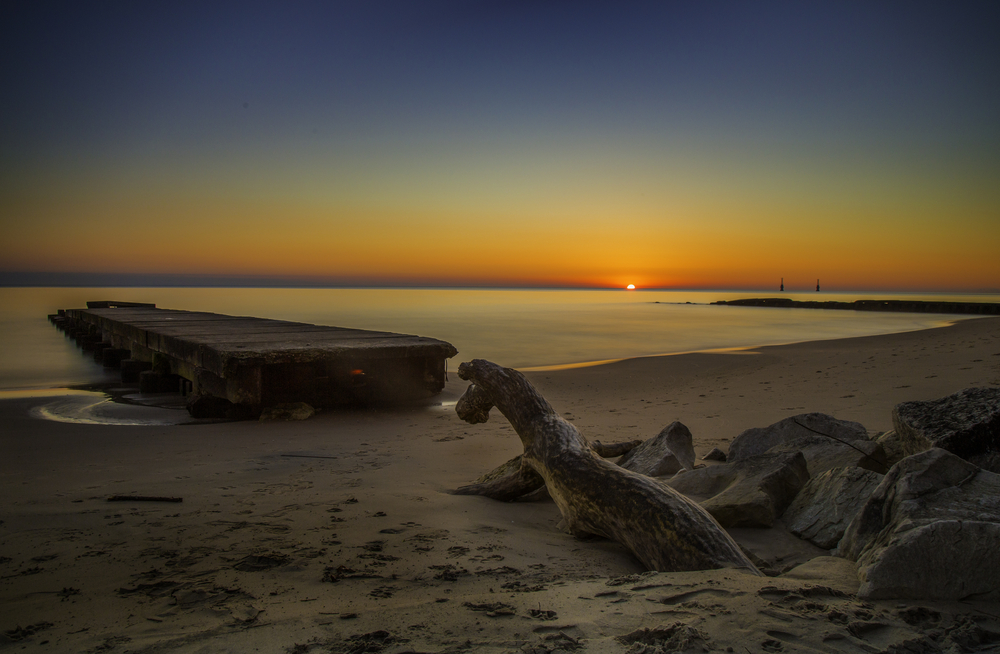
point(338, 533)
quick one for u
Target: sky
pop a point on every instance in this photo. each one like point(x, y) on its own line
point(720, 145)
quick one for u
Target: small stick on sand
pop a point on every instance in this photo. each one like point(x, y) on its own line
point(143, 498)
point(309, 456)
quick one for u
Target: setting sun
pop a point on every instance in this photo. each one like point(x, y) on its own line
point(630, 287)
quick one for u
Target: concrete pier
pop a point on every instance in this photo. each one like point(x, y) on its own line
point(254, 363)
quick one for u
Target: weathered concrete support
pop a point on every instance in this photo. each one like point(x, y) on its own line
point(141, 353)
point(244, 384)
point(152, 382)
point(208, 383)
point(99, 350)
point(112, 357)
point(88, 341)
point(132, 368)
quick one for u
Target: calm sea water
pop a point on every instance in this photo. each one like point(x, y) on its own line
point(516, 328)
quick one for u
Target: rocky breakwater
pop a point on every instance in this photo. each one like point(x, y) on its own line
point(931, 529)
point(966, 424)
point(767, 467)
point(917, 509)
point(897, 306)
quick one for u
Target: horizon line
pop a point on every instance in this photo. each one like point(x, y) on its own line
point(25, 279)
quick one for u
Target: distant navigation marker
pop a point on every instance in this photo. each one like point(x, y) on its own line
point(817, 286)
point(782, 283)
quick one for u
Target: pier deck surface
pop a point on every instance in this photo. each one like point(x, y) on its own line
point(218, 339)
point(260, 360)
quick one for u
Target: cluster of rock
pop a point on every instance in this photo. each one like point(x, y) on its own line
point(917, 508)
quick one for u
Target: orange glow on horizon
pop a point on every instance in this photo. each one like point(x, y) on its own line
point(677, 242)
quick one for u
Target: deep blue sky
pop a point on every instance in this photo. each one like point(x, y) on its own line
point(83, 72)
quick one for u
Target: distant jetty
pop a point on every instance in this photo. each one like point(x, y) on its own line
point(901, 306)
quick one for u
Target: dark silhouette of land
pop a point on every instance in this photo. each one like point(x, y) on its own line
point(904, 306)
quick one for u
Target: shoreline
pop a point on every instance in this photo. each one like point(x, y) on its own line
point(832, 387)
point(87, 386)
point(314, 536)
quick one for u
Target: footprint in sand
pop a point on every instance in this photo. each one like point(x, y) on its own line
point(521, 587)
point(680, 598)
point(333, 574)
point(502, 571)
point(542, 614)
point(423, 541)
point(491, 609)
point(487, 529)
point(449, 572)
point(261, 562)
point(20, 633)
point(486, 559)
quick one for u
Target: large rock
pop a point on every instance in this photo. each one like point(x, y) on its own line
point(825, 441)
point(288, 411)
point(828, 503)
point(750, 493)
point(966, 423)
point(987, 461)
point(929, 531)
point(813, 426)
point(893, 447)
point(715, 455)
point(666, 453)
point(824, 454)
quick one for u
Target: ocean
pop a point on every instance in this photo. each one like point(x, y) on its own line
point(517, 328)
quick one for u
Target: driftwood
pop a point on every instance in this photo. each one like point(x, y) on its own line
point(507, 482)
point(659, 526)
point(612, 450)
point(511, 480)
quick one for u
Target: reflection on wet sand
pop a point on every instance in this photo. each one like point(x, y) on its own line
point(93, 408)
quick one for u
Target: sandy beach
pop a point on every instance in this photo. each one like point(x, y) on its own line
point(338, 533)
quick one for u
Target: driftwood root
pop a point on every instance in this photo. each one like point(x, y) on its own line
point(663, 529)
